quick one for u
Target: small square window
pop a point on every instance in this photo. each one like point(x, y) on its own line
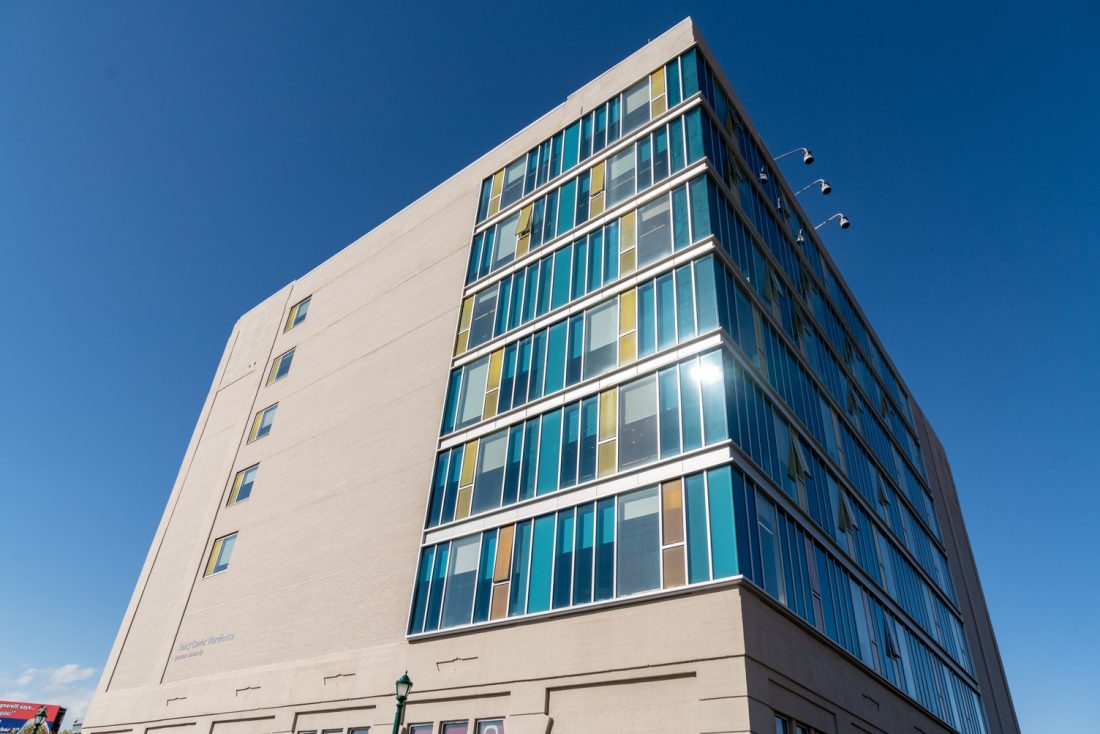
point(456, 727)
point(359, 730)
point(220, 554)
point(420, 729)
point(261, 424)
point(242, 484)
point(490, 726)
point(280, 366)
point(298, 313)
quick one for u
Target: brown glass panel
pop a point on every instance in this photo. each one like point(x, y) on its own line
point(672, 512)
point(673, 560)
point(503, 566)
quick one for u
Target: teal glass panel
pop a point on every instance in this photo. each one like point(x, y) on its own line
point(550, 221)
point(613, 126)
point(660, 154)
point(698, 537)
point(693, 130)
point(723, 536)
point(475, 257)
point(647, 320)
point(530, 293)
point(595, 261)
point(542, 564)
point(555, 358)
point(562, 267)
point(712, 376)
point(681, 232)
point(569, 152)
point(580, 265)
point(685, 306)
point(584, 547)
point(567, 206)
point(672, 82)
point(700, 209)
point(549, 452)
point(523, 372)
point(586, 137)
point(503, 299)
point(521, 550)
point(439, 485)
point(689, 71)
point(599, 141)
point(546, 267)
point(515, 310)
point(507, 379)
point(484, 594)
point(570, 444)
point(690, 413)
point(538, 213)
point(563, 560)
point(512, 468)
point(668, 385)
point(574, 360)
point(530, 459)
point(435, 600)
point(450, 494)
point(538, 365)
point(666, 312)
point(420, 594)
point(555, 155)
point(452, 401)
point(676, 144)
point(605, 549)
point(706, 297)
point(611, 252)
point(589, 427)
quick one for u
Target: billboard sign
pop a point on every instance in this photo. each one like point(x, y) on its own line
point(15, 714)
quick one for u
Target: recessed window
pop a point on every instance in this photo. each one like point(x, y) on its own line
point(456, 727)
point(220, 554)
point(280, 366)
point(261, 424)
point(298, 313)
point(490, 726)
point(242, 484)
point(420, 729)
point(359, 730)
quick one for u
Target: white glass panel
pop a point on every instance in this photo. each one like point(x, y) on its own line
point(639, 543)
point(601, 335)
point(636, 106)
point(472, 401)
point(638, 422)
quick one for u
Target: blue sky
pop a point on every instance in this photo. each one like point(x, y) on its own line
point(164, 167)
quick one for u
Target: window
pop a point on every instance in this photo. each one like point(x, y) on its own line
point(484, 316)
point(620, 184)
point(654, 231)
point(513, 183)
point(638, 424)
point(490, 726)
point(639, 559)
point(455, 727)
point(261, 424)
point(220, 554)
point(490, 471)
point(280, 366)
point(359, 730)
point(461, 579)
point(636, 106)
point(506, 242)
point(242, 484)
point(472, 401)
point(601, 339)
point(420, 729)
point(298, 313)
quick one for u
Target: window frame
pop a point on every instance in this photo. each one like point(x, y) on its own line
point(257, 423)
point(214, 558)
point(235, 487)
point(287, 358)
point(296, 316)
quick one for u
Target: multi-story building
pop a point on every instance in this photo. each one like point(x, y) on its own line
point(591, 437)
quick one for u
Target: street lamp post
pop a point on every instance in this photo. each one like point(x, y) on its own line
point(403, 685)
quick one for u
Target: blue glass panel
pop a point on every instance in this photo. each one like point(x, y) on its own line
point(676, 144)
point(580, 264)
point(586, 137)
point(668, 384)
point(420, 594)
point(605, 549)
point(452, 400)
point(503, 300)
point(660, 155)
point(555, 358)
point(563, 560)
point(576, 350)
point(507, 379)
point(549, 452)
point(689, 405)
point(583, 547)
point(685, 306)
point(698, 543)
point(487, 252)
point(693, 128)
point(611, 252)
point(706, 298)
point(681, 233)
point(569, 154)
point(613, 126)
point(545, 283)
point(511, 469)
point(562, 266)
point(583, 184)
point(475, 258)
point(435, 601)
point(595, 261)
point(647, 320)
point(523, 372)
point(530, 460)
point(690, 73)
point(567, 206)
point(485, 576)
point(644, 170)
point(555, 155)
point(521, 550)
point(532, 170)
point(439, 485)
point(599, 138)
point(570, 444)
point(454, 469)
point(538, 365)
point(542, 563)
point(461, 581)
point(672, 82)
point(723, 535)
point(538, 213)
point(589, 428)
point(714, 397)
point(666, 312)
point(700, 210)
point(530, 293)
point(483, 200)
point(550, 221)
point(544, 164)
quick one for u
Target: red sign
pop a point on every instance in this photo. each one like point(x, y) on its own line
point(22, 711)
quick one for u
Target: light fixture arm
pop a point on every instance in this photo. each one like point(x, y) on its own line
point(843, 221)
point(825, 187)
point(807, 156)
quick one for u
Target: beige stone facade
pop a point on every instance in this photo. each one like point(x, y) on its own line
point(307, 629)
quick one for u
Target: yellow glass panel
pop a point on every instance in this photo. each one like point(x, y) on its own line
point(608, 413)
point(657, 83)
point(498, 183)
point(595, 184)
point(494, 206)
point(489, 406)
point(274, 368)
point(595, 206)
point(290, 317)
point(462, 342)
point(628, 311)
point(524, 225)
point(255, 426)
point(672, 512)
point(467, 316)
point(465, 495)
point(628, 348)
point(496, 359)
point(213, 560)
point(673, 561)
point(503, 565)
point(523, 245)
point(605, 459)
point(498, 609)
point(659, 106)
point(628, 261)
point(469, 460)
point(627, 232)
point(237, 481)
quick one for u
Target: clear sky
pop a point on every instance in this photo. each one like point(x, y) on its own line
point(166, 166)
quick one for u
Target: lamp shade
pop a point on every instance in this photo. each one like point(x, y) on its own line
point(403, 685)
